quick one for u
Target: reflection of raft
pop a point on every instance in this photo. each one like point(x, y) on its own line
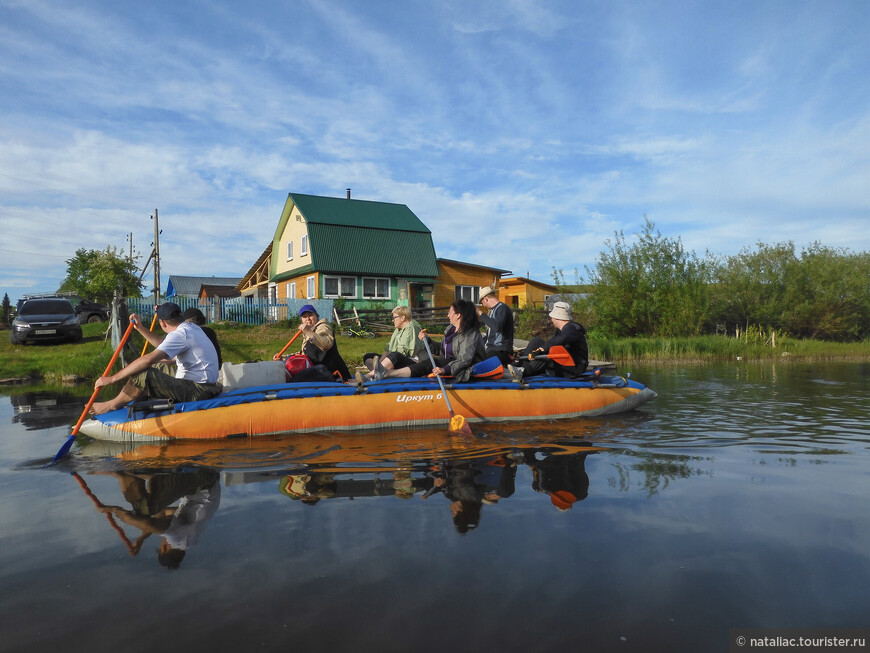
point(392, 403)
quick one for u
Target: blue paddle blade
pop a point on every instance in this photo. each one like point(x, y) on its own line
point(64, 450)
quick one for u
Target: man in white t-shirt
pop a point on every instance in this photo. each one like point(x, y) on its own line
point(194, 354)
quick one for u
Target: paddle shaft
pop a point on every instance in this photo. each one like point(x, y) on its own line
point(109, 516)
point(108, 369)
point(287, 346)
point(438, 376)
point(151, 328)
point(64, 450)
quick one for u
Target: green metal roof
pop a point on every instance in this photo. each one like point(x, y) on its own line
point(357, 213)
point(362, 237)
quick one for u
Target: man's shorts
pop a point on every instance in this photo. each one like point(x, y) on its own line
point(157, 384)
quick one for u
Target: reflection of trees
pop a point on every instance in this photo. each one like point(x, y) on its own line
point(42, 409)
point(658, 471)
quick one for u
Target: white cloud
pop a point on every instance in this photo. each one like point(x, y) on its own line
point(522, 133)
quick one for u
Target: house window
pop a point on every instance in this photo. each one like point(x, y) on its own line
point(290, 251)
point(310, 288)
point(344, 287)
point(304, 247)
point(471, 293)
point(291, 290)
point(376, 288)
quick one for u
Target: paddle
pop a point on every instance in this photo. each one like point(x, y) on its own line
point(457, 422)
point(130, 547)
point(287, 346)
point(64, 450)
point(557, 354)
point(151, 328)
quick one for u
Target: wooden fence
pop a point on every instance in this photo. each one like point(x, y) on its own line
point(381, 319)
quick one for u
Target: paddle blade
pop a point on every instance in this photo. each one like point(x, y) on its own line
point(560, 355)
point(458, 424)
point(64, 450)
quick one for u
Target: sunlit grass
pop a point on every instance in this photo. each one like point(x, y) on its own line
point(707, 348)
point(88, 359)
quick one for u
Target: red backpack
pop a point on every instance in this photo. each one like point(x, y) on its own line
point(296, 363)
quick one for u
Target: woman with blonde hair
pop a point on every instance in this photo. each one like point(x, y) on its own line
point(403, 349)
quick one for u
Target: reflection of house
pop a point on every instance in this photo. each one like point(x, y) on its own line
point(520, 292)
point(189, 287)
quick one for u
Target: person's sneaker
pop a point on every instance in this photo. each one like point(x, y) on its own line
point(360, 378)
point(378, 369)
point(516, 373)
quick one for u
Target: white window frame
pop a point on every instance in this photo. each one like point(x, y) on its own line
point(343, 293)
point(376, 295)
point(471, 293)
point(291, 290)
point(290, 251)
point(304, 246)
point(311, 287)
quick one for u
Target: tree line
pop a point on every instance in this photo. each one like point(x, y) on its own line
point(654, 287)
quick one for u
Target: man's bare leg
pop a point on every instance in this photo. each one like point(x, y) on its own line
point(128, 393)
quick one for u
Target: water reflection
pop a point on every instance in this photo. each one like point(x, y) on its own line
point(469, 473)
point(41, 409)
point(173, 504)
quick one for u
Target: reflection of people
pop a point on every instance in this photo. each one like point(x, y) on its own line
point(470, 484)
point(198, 493)
point(403, 349)
point(562, 476)
point(499, 322)
point(195, 315)
point(569, 334)
point(308, 488)
point(195, 356)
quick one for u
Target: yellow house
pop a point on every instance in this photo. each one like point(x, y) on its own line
point(520, 292)
point(458, 280)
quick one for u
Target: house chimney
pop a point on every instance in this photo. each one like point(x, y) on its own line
point(348, 193)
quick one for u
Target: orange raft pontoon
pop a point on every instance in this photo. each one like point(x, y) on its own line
point(391, 403)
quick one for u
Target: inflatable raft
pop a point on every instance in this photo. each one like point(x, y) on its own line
point(391, 403)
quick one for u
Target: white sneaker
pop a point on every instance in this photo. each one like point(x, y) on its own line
point(516, 373)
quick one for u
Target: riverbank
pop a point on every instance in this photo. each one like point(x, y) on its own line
point(87, 359)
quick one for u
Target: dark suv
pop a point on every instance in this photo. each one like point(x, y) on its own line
point(45, 319)
point(91, 312)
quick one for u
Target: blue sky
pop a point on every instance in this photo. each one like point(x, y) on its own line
point(523, 133)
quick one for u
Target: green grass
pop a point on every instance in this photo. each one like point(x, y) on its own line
point(88, 358)
point(712, 348)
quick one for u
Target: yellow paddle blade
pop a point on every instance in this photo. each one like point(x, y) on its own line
point(459, 425)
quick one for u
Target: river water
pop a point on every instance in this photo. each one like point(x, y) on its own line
point(737, 499)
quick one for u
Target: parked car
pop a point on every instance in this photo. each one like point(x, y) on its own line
point(45, 319)
point(91, 312)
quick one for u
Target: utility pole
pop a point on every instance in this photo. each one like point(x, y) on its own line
point(156, 260)
point(130, 238)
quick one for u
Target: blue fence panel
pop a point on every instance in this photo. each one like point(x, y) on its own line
point(244, 310)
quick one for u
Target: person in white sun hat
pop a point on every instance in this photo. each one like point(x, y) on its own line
point(569, 334)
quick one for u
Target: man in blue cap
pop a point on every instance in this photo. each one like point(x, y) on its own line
point(195, 357)
point(318, 343)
